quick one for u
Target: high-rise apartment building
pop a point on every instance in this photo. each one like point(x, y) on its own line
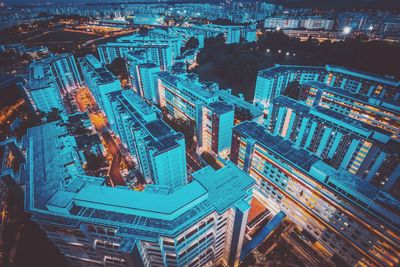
point(381, 113)
point(157, 51)
point(215, 135)
point(49, 79)
point(96, 225)
point(273, 81)
point(143, 75)
point(347, 216)
point(64, 69)
point(158, 149)
point(40, 89)
point(100, 82)
point(183, 95)
point(340, 141)
point(363, 83)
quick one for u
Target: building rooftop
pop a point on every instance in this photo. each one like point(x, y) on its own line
point(101, 72)
point(159, 135)
point(300, 157)
point(134, 214)
point(343, 182)
point(190, 84)
point(364, 75)
point(270, 72)
point(358, 97)
point(220, 107)
point(226, 96)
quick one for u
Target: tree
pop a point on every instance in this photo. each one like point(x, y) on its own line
point(293, 90)
point(94, 161)
point(53, 115)
point(192, 43)
point(118, 68)
point(243, 114)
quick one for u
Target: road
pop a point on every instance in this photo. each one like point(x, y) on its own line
point(306, 254)
point(84, 100)
point(101, 125)
point(8, 111)
point(115, 170)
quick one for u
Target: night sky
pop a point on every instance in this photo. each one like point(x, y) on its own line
point(290, 3)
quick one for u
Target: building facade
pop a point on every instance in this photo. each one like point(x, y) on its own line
point(273, 81)
point(159, 150)
point(381, 113)
point(96, 225)
point(347, 217)
point(340, 141)
point(100, 82)
point(216, 128)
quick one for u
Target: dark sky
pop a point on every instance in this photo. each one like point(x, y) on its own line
point(340, 3)
point(383, 4)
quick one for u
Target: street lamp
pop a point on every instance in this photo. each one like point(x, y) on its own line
point(346, 30)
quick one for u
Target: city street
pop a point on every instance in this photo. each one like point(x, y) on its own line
point(86, 102)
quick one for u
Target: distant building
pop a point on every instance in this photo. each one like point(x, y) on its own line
point(187, 32)
point(232, 33)
point(92, 224)
point(40, 89)
point(159, 51)
point(250, 34)
point(273, 81)
point(309, 23)
point(143, 75)
point(147, 19)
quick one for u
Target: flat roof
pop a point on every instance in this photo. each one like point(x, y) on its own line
point(221, 107)
point(300, 157)
point(364, 75)
point(141, 203)
point(266, 73)
point(137, 214)
point(351, 95)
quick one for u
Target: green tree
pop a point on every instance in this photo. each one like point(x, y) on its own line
point(242, 114)
point(293, 90)
point(53, 115)
point(94, 161)
point(192, 43)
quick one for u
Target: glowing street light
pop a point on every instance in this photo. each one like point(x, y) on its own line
point(346, 30)
point(278, 28)
point(279, 51)
point(268, 50)
point(287, 53)
point(371, 28)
